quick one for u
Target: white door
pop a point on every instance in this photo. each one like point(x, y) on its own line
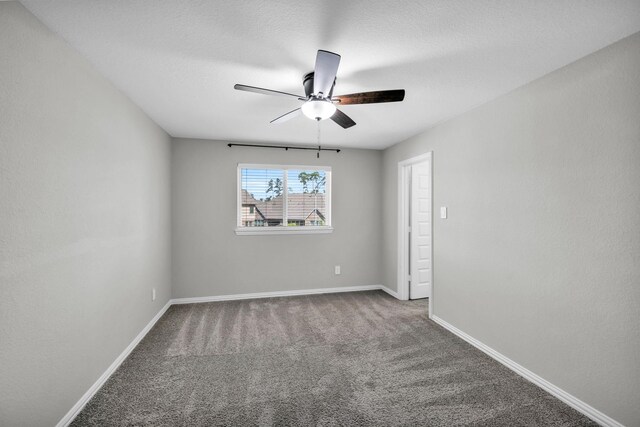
point(420, 237)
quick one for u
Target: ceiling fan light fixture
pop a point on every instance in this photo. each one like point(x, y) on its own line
point(318, 109)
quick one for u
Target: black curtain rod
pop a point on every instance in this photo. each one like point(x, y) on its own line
point(284, 147)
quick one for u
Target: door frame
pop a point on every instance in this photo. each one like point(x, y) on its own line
point(403, 224)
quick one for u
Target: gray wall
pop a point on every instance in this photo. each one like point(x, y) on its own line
point(84, 222)
point(210, 259)
point(539, 258)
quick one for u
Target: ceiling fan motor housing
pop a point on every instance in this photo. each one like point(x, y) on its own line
point(307, 82)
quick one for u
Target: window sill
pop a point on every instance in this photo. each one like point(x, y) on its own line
point(258, 231)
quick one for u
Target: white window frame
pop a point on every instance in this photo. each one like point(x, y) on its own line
point(283, 229)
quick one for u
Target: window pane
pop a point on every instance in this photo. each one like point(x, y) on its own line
point(306, 197)
point(262, 194)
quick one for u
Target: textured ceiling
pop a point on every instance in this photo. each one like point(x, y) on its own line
point(178, 60)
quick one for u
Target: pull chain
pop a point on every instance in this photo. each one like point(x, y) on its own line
point(319, 148)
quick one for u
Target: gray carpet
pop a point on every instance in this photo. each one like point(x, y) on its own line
point(356, 359)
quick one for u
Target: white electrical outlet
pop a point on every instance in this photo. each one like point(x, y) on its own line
point(337, 269)
point(153, 294)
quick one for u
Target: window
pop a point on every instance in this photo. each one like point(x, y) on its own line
point(275, 199)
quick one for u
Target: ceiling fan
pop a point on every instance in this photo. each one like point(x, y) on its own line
point(319, 101)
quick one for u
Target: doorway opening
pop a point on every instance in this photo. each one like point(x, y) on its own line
point(415, 228)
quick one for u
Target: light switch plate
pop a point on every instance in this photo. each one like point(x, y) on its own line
point(443, 212)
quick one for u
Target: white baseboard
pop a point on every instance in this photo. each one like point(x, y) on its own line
point(554, 390)
point(275, 294)
point(73, 412)
point(390, 292)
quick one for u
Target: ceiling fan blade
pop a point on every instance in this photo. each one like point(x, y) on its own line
point(325, 72)
point(287, 116)
point(265, 91)
point(342, 119)
point(376, 97)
